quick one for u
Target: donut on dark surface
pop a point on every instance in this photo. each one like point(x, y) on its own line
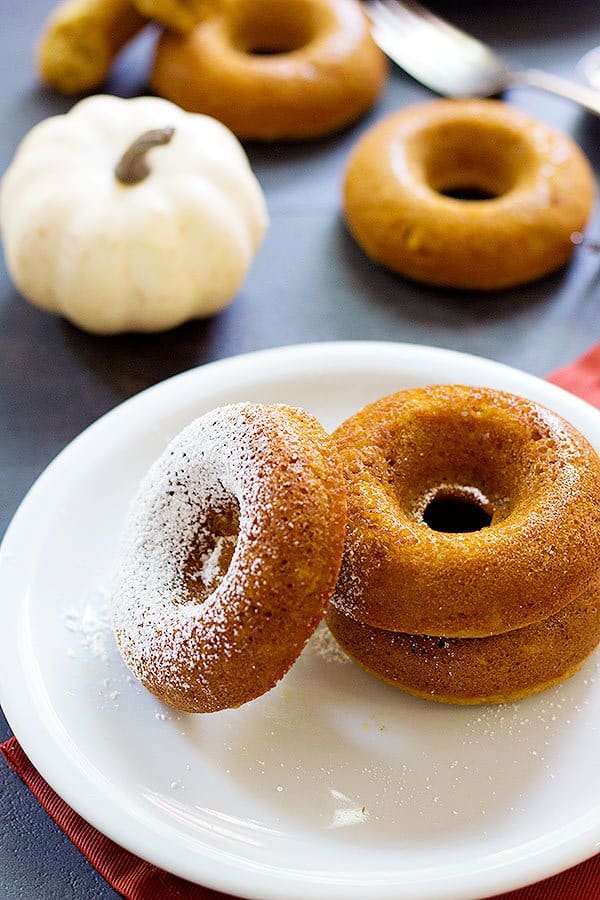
point(231, 551)
point(470, 194)
point(471, 512)
point(278, 69)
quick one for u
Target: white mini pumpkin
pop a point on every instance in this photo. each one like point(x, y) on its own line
point(118, 234)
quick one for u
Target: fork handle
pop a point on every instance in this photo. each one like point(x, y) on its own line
point(587, 97)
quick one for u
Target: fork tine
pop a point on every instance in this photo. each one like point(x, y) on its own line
point(410, 18)
point(383, 18)
point(390, 28)
point(408, 26)
point(455, 63)
point(419, 16)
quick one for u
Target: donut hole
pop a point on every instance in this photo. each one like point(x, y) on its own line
point(457, 510)
point(208, 561)
point(468, 193)
point(471, 161)
point(280, 28)
point(479, 454)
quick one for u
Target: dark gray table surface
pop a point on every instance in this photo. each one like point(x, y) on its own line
point(310, 282)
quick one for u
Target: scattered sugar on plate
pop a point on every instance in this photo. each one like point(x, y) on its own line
point(325, 645)
point(90, 624)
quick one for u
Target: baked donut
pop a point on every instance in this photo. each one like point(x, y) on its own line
point(470, 512)
point(280, 69)
point(81, 40)
point(498, 669)
point(230, 554)
point(180, 15)
point(407, 179)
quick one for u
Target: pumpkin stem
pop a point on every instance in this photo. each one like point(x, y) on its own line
point(133, 166)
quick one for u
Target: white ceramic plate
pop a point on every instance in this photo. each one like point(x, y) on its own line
point(332, 785)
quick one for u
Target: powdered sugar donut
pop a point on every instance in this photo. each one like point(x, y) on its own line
point(231, 551)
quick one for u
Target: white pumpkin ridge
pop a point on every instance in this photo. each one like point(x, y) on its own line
point(111, 257)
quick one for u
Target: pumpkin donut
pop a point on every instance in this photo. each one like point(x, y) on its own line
point(498, 669)
point(230, 554)
point(408, 176)
point(81, 40)
point(281, 69)
point(180, 15)
point(470, 512)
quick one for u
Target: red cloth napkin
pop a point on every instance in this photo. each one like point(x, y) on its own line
point(583, 379)
point(132, 877)
point(135, 879)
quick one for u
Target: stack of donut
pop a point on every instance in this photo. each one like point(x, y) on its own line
point(470, 570)
point(468, 545)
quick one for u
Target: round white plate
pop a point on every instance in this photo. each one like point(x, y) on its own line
point(333, 785)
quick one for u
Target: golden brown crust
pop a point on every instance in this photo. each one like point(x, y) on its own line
point(539, 475)
point(218, 643)
point(180, 15)
point(81, 39)
point(285, 69)
point(542, 184)
point(498, 669)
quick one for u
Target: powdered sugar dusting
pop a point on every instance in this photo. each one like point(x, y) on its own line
point(91, 626)
point(215, 561)
point(325, 645)
point(169, 620)
point(203, 469)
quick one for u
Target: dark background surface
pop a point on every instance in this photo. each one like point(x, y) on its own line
point(310, 282)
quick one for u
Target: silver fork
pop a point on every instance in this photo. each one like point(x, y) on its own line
point(453, 63)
